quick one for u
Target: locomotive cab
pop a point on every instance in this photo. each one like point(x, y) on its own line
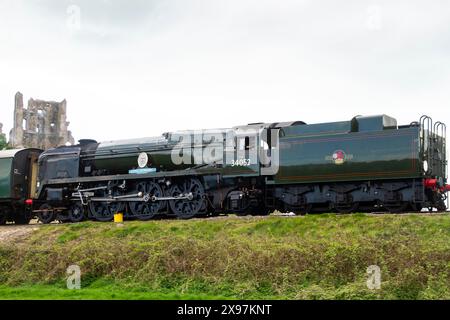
point(65, 162)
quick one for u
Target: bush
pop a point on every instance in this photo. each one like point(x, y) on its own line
point(311, 257)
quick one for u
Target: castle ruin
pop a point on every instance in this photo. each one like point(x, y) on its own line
point(42, 124)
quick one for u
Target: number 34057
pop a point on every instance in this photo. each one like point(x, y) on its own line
point(241, 163)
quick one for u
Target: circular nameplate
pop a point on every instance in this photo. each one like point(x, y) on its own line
point(143, 160)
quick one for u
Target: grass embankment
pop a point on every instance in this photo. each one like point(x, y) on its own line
point(311, 257)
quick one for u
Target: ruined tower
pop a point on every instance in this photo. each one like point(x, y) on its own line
point(42, 124)
point(16, 135)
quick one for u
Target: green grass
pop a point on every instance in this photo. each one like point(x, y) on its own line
point(310, 257)
point(48, 292)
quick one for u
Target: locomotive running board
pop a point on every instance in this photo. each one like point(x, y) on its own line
point(126, 177)
point(164, 174)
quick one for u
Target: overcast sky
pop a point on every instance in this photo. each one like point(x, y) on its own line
point(139, 68)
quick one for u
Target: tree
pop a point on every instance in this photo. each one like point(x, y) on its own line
point(3, 142)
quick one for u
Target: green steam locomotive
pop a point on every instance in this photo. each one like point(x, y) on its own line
point(366, 164)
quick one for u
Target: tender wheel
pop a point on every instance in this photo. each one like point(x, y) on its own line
point(188, 208)
point(308, 208)
point(46, 214)
point(147, 210)
point(299, 210)
point(441, 206)
point(347, 208)
point(397, 207)
point(260, 211)
point(77, 213)
point(416, 207)
point(105, 211)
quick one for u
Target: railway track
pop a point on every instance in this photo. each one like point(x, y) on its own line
point(10, 228)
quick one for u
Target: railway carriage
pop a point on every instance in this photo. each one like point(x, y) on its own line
point(18, 181)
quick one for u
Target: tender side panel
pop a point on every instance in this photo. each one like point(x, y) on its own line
point(388, 154)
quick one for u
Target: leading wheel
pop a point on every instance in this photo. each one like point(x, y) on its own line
point(147, 210)
point(192, 198)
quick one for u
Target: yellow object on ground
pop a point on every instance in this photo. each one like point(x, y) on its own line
point(118, 217)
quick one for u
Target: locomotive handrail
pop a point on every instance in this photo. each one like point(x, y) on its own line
point(440, 132)
point(445, 149)
point(445, 162)
point(436, 138)
point(426, 124)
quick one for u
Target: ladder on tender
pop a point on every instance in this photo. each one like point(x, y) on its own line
point(432, 137)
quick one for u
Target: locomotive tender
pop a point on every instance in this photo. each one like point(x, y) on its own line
point(365, 164)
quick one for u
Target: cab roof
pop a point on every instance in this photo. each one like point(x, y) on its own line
point(7, 154)
point(4, 154)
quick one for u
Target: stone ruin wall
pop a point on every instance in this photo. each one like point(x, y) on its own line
point(43, 124)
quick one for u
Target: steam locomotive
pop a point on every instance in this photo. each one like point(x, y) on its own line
point(366, 164)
